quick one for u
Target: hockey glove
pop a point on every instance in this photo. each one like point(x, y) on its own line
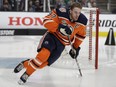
point(74, 52)
point(66, 30)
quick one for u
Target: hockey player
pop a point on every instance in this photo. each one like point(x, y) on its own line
point(60, 24)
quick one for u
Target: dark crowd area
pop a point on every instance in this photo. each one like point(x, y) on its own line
point(47, 5)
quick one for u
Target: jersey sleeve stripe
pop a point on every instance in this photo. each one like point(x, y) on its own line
point(47, 21)
point(79, 36)
point(80, 39)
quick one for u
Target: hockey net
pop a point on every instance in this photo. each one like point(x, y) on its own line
point(88, 56)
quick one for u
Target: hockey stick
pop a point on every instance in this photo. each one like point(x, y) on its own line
point(75, 58)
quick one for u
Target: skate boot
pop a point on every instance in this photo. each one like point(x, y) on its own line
point(23, 78)
point(19, 67)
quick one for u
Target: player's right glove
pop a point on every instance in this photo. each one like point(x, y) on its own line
point(74, 52)
point(65, 30)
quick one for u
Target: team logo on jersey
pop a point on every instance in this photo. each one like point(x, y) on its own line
point(63, 32)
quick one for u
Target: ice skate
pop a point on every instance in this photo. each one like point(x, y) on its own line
point(19, 67)
point(23, 78)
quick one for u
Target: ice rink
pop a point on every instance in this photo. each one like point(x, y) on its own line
point(14, 49)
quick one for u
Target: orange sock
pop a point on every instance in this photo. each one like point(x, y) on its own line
point(30, 70)
point(43, 65)
point(39, 62)
point(26, 63)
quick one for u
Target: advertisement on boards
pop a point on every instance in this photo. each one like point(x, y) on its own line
point(29, 23)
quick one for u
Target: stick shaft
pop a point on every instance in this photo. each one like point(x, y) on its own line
point(75, 58)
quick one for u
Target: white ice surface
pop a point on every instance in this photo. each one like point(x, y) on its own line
point(14, 49)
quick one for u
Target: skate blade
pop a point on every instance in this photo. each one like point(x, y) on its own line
point(20, 82)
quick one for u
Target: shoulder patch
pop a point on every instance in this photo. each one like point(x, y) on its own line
point(52, 14)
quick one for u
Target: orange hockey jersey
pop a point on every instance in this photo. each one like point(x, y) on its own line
point(62, 16)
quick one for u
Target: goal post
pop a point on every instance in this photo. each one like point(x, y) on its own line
point(97, 38)
point(93, 14)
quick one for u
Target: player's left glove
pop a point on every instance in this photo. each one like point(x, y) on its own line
point(74, 52)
